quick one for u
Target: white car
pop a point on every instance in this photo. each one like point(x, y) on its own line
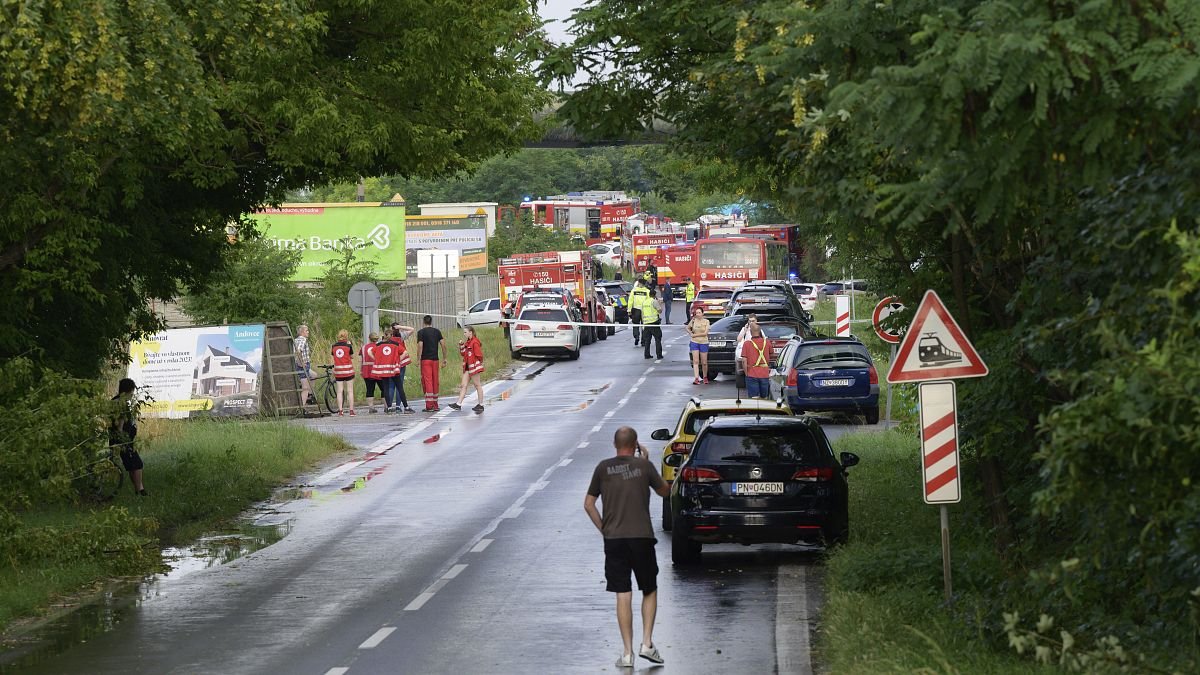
point(543, 330)
point(482, 313)
point(808, 295)
point(608, 252)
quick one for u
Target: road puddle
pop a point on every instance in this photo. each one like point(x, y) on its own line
point(76, 622)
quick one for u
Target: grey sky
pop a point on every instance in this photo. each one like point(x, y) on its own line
point(557, 12)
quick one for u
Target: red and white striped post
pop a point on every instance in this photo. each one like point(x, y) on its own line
point(842, 313)
point(939, 459)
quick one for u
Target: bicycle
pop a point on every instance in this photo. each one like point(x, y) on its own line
point(324, 390)
point(103, 476)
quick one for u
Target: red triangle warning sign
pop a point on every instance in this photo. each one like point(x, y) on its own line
point(934, 347)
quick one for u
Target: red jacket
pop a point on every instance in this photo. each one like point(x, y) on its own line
point(387, 360)
point(343, 360)
point(367, 353)
point(472, 355)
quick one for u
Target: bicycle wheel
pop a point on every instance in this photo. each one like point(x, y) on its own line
point(107, 476)
point(329, 396)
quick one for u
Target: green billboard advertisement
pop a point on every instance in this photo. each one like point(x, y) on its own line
point(322, 231)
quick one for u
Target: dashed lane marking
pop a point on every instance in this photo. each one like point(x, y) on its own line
point(379, 636)
point(482, 545)
point(562, 463)
point(583, 444)
point(455, 571)
point(337, 671)
point(418, 602)
point(513, 512)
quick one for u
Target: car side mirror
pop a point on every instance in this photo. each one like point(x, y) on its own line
point(675, 459)
point(661, 434)
point(849, 459)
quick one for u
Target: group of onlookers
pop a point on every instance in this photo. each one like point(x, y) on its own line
point(383, 362)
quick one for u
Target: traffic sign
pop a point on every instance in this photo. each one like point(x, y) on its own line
point(934, 348)
point(939, 443)
point(363, 297)
point(887, 307)
point(842, 310)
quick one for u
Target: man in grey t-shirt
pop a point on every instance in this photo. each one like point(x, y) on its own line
point(624, 483)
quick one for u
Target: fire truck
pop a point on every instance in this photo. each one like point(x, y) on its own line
point(553, 270)
point(594, 216)
point(645, 247)
point(676, 262)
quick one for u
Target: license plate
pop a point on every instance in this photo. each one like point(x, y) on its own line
point(717, 343)
point(543, 333)
point(758, 488)
point(836, 383)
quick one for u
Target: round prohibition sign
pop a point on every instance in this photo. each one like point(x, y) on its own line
point(887, 307)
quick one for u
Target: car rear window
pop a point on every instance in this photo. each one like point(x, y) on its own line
point(730, 324)
point(698, 418)
point(760, 309)
point(803, 289)
point(766, 445)
point(714, 295)
point(544, 314)
point(822, 355)
point(777, 331)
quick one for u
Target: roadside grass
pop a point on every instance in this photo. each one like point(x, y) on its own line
point(884, 611)
point(199, 474)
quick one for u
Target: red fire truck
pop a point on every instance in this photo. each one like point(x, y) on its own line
point(788, 234)
point(566, 270)
point(676, 262)
point(645, 248)
point(594, 216)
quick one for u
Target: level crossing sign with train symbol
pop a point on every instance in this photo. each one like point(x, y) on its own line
point(934, 347)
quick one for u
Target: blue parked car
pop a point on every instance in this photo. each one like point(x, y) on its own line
point(827, 374)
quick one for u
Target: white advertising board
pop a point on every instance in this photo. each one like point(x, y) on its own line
point(213, 370)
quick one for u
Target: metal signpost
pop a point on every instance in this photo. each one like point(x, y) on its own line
point(363, 298)
point(934, 351)
point(887, 307)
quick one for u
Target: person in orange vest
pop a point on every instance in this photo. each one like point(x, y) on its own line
point(472, 363)
point(366, 356)
point(343, 369)
point(756, 354)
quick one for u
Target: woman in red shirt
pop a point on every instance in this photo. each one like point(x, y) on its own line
point(343, 369)
point(472, 359)
point(756, 354)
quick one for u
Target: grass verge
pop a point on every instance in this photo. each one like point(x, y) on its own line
point(199, 473)
point(884, 611)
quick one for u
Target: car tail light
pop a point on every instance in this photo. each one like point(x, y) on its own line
point(681, 448)
point(694, 475)
point(873, 375)
point(792, 378)
point(564, 326)
point(522, 326)
point(814, 474)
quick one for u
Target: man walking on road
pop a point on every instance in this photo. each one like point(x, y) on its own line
point(668, 297)
point(624, 483)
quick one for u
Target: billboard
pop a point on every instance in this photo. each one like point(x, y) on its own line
point(214, 370)
point(466, 234)
point(322, 231)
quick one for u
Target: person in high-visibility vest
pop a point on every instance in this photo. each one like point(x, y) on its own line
point(756, 355)
point(638, 297)
point(689, 296)
point(343, 369)
point(651, 307)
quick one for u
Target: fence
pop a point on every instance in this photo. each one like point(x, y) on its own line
point(440, 296)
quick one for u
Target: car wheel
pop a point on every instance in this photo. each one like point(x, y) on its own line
point(573, 355)
point(666, 515)
point(601, 334)
point(612, 330)
point(516, 355)
point(872, 415)
point(684, 551)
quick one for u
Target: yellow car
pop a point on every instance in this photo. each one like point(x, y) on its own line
point(695, 413)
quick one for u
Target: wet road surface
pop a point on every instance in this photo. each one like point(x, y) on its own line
point(464, 548)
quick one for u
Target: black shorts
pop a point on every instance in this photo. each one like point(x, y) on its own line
point(622, 556)
point(130, 459)
point(371, 384)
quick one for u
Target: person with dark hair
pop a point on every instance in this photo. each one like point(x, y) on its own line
point(623, 483)
point(431, 341)
point(651, 318)
point(122, 430)
point(472, 365)
point(399, 399)
point(367, 358)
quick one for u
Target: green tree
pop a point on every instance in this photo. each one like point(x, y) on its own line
point(134, 132)
point(254, 285)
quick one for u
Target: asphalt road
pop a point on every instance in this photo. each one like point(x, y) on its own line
point(464, 548)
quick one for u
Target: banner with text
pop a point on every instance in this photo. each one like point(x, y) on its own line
point(211, 370)
point(321, 232)
point(466, 234)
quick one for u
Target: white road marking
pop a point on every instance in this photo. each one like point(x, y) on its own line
point(419, 602)
point(541, 486)
point(610, 413)
point(379, 636)
point(595, 428)
point(634, 388)
point(513, 512)
point(337, 671)
point(792, 650)
point(623, 401)
point(584, 444)
point(562, 463)
point(455, 571)
point(483, 544)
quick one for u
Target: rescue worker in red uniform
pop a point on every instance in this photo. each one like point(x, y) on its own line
point(366, 356)
point(472, 363)
point(395, 400)
point(343, 369)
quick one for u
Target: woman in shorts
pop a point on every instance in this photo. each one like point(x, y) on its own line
point(472, 365)
point(343, 370)
point(698, 348)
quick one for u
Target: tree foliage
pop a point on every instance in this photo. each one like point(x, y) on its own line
point(253, 286)
point(1026, 159)
point(134, 132)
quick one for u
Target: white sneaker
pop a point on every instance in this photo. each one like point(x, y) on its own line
point(650, 654)
point(625, 661)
